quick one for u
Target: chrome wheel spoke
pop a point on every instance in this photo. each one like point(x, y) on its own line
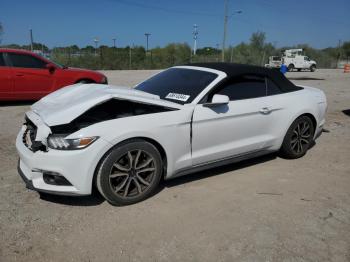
point(120, 167)
point(126, 191)
point(137, 158)
point(299, 148)
point(138, 186)
point(146, 163)
point(131, 159)
point(142, 180)
point(118, 174)
point(305, 136)
point(122, 185)
point(298, 129)
point(294, 144)
point(292, 141)
point(304, 140)
point(145, 170)
point(305, 129)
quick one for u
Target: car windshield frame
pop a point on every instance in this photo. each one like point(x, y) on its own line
point(180, 94)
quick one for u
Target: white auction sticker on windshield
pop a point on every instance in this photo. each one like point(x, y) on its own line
point(179, 97)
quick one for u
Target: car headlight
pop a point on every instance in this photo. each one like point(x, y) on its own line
point(61, 143)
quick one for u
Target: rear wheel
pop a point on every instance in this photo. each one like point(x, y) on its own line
point(290, 67)
point(129, 173)
point(298, 138)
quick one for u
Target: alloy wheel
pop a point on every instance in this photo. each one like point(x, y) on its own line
point(132, 174)
point(300, 138)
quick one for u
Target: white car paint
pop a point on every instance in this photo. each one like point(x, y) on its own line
point(236, 128)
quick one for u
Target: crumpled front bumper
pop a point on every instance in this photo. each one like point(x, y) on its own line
point(76, 166)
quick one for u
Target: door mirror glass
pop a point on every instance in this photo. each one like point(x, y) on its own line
point(218, 100)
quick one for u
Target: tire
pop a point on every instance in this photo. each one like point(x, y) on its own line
point(313, 68)
point(298, 138)
point(85, 81)
point(290, 67)
point(129, 173)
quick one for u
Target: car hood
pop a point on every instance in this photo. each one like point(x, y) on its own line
point(66, 104)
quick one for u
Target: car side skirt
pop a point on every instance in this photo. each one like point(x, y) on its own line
point(221, 162)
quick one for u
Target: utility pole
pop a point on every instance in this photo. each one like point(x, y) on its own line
point(147, 36)
point(96, 44)
point(231, 58)
point(225, 31)
point(130, 55)
point(218, 50)
point(195, 35)
point(114, 39)
point(339, 55)
point(31, 39)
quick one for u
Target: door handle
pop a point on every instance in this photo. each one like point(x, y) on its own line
point(19, 74)
point(265, 110)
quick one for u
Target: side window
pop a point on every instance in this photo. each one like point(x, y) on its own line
point(244, 87)
point(2, 60)
point(272, 88)
point(26, 61)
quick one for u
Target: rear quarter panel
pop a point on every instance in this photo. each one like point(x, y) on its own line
point(295, 104)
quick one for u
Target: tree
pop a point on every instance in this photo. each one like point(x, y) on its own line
point(257, 40)
point(346, 49)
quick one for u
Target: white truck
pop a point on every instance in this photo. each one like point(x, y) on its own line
point(274, 62)
point(293, 59)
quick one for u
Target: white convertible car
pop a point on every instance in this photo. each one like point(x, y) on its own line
point(182, 120)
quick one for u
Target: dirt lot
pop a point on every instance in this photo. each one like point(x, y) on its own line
point(267, 209)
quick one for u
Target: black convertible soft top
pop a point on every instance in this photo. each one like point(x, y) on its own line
point(233, 70)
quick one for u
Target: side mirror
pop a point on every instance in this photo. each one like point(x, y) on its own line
point(51, 67)
point(218, 100)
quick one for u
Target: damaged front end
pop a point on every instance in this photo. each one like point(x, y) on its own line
point(108, 110)
point(35, 132)
point(38, 136)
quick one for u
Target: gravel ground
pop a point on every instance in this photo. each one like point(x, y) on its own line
point(266, 209)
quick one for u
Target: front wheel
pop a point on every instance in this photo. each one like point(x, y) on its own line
point(298, 138)
point(129, 173)
point(313, 68)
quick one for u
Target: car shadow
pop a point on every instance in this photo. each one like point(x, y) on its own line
point(218, 170)
point(16, 103)
point(305, 78)
point(94, 199)
point(346, 112)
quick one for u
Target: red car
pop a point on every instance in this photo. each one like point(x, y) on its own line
point(27, 76)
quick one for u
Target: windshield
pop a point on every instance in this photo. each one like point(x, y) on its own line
point(179, 85)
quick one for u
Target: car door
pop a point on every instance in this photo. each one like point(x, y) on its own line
point(32, 80)
point(6, 79)
point(233, 129)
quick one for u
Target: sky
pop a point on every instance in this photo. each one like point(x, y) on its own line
point(319, 23)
